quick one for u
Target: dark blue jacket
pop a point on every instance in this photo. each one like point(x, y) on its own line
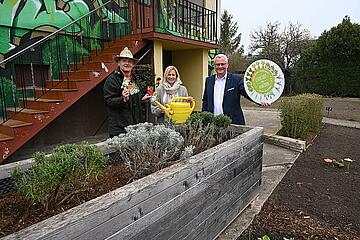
point(231, 103)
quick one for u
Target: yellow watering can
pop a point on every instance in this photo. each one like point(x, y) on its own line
point(179, 109)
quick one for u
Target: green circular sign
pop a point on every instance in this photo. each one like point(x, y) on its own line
point(264, 80)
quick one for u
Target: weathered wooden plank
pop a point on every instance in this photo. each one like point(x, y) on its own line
point(215, 224)
point(7, 169)
point(192, 228)
point(131, 230)
point(172, 221)
point(202, 203)
point(203, 166)
point(83, 218)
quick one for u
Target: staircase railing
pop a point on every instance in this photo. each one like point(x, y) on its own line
point(32, 71)
point(180, 18)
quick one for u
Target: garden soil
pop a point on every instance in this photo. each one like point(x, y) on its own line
point(17, 212)
point(315, 200)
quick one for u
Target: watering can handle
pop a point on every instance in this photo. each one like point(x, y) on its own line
point(189, 99)
point(160, 105)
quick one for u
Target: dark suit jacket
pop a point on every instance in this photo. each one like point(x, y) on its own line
point(234, 87)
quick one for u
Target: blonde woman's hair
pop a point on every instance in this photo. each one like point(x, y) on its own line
point(166, 73)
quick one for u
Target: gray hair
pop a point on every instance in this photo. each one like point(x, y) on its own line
point(221, 56)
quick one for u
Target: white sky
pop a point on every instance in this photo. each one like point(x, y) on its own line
point(314, 15)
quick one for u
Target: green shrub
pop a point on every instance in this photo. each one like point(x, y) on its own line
point(204, 130)
point(222, 121)
point(301, 115)
point(331, 65)
point(10, 97)
point(55, 178)
point(206, 118)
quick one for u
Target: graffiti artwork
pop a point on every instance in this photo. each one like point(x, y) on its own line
point(23, 20)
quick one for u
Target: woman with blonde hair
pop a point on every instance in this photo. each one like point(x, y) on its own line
point(169, 88)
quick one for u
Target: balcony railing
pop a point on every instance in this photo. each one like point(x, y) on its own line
point(37, 68)
point(180, 18)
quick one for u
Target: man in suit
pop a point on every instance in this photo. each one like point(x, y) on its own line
point(222, 92)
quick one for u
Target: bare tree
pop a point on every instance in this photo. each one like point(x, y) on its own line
point(295, 40)
point(284, 47)
point(266, 40)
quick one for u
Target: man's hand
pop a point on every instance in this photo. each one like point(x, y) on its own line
point(125, 93)
point(265, 103)
point(146, 97)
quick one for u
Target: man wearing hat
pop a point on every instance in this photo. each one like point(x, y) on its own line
point(122, 95)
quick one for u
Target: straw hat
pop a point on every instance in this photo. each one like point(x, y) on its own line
point(125, 53)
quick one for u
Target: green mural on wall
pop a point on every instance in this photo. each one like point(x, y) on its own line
point(168, 19)
point(19, 17)
point(10, 96)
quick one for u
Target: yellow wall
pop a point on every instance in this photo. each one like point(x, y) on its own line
point(192, 66)
point(158, 59)
point(211, 4)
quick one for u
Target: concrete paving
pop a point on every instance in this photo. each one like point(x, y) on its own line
point(276, 162)
point(339, 122)
point(267, 118)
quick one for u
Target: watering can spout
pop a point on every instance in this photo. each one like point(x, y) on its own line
point(179, 109)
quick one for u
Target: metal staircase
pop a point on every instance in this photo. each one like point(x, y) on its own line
point(41, 81)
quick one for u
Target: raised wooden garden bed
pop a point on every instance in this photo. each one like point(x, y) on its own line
point(193, 199)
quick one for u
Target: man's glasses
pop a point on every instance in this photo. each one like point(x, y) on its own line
point(220, 64)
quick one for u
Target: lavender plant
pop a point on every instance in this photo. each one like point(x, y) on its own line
point(203, 130)
point(146, 148)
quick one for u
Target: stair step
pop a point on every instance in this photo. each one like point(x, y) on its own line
point(30, 111)
point(64, 84)
point(16, 123)
point(80, 74)
point(58, 89)
point(4, 137)
point(47, 100)
point(63, 89)
point(24, 117)
point(49, 94)
point(91, 65)
point(78, 80)
point(112, 49)
point(105, 57)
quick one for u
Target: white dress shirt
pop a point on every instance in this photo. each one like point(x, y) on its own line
point(219, 89)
